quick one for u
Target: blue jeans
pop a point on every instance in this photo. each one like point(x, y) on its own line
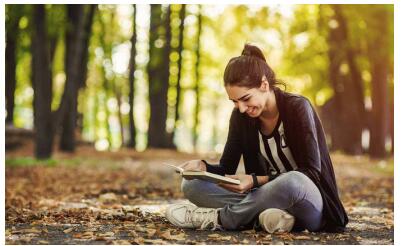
point(292, 191)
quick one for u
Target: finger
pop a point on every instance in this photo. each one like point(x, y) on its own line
point(225, 186)
point(182, 165)
point(232, 176)
point(231, 187)
point(228, 188)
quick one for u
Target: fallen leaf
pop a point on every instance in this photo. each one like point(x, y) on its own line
point(245, 241)
point(214, 235)
point(167, 235)
point(106, 234)
point(108, 197)
point(43, 242)
point(26, 239)
point(155, 241)
point(302, 237)
point(268, 237)
point(226, 238)
point(179, 237)
point(151, 232)
point(121, 242)
point(139, 240)
point(140, 229)
point(85, 235)
point(68, 230)
point(32, 230)
point(285, 236)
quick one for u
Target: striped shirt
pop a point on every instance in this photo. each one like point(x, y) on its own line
point(276, 151)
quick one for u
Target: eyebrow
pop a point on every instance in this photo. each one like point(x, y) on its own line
point(240, 98)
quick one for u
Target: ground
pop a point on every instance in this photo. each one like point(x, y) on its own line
point(120, 197)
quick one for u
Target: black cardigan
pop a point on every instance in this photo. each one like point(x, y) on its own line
point(306, 139)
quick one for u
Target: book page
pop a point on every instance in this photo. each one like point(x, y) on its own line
point(177, 169)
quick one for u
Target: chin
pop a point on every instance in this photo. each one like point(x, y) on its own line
point(255, 114)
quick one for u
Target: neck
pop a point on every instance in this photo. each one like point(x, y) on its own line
point(270, 112)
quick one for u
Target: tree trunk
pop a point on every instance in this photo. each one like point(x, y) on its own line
point(132, 67)
point(42, 84)
point(379, 63)
point(107, 48)
point(11, 62)
point(392, 125)
point(10, 78)
point(117, 92)
point(348, 101)
point(179, 63)
point(197, 79)
point(158, 72)
point(77, 35)
point(11, 65)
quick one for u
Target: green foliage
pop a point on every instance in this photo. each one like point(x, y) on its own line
point(293, 38)
point(28, 161)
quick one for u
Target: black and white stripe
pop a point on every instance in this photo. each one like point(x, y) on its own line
point(274, 148)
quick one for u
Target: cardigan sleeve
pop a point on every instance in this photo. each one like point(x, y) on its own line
point(309, 162)
point(232, 150)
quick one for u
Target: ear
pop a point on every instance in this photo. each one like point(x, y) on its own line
point(265, 86)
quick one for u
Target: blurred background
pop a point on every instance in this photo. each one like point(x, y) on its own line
point(99, 96)
point(151, 76)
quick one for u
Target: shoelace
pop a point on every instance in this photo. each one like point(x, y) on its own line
point(201, 217)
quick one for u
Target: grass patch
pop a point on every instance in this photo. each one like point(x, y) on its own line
point(384, 167)
point(29, 161)
point(68, 162)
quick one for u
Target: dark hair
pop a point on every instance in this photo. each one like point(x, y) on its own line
point(247, 70)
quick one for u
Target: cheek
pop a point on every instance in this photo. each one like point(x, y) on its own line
point(257, 102)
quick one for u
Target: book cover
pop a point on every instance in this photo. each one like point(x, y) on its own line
point(203, 175)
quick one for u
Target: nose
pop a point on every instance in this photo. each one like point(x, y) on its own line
point(242, 107)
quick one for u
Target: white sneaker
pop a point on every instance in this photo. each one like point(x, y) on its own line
point(191, 216)
point(274, 219)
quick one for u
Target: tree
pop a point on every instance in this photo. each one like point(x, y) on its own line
point(346, 81)
point(80, 19)
point(42, 83)
point(132, 67)
point(106, 43)
point(179, 72)
point(197, 79)
point(158, 74)
point(379, 58)
point(14, 14)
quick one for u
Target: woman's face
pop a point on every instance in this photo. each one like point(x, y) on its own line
point(249, 100)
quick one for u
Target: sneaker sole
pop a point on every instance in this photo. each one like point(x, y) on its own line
point(285, 219)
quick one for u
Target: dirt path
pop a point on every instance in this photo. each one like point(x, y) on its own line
point(103, 198)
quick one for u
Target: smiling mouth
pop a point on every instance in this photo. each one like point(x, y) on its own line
point(252, 110)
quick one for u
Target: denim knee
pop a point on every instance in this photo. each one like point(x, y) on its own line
point(288, 187)
point(190, 188)
point(294, 181)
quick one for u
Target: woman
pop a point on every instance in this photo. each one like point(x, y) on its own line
point(289, 182)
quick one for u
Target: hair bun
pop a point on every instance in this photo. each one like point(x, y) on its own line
point(252, 50)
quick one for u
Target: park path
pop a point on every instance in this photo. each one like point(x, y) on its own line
point(120, 198)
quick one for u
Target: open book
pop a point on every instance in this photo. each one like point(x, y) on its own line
point(203, 175)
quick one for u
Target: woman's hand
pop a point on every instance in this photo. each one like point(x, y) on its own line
point(245, 185)
point(194, 165)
